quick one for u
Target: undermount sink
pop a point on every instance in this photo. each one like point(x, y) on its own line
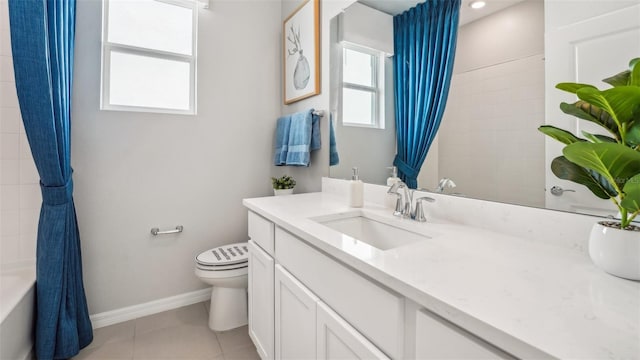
point(375, 232)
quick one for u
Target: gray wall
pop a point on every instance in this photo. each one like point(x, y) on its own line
point(135, 171)
point(310, 178)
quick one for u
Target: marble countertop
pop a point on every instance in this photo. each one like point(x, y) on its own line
point(531, 299)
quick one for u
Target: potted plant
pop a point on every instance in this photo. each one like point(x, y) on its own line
point(283, 185)
point(608, 165)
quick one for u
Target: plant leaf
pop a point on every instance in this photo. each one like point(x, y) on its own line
point(634, 79)
point(615, 162)
point(573, 87)
point(633, 134)
point(620, 79)
point(631, 190)
point(563, 136)
point(566, 170)
point(620, 102)
point(597, 138)
point(586, 111)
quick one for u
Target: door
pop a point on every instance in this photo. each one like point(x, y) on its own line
point(339, 340)
point(261, 306)
point(585, 42)
point(295, 318)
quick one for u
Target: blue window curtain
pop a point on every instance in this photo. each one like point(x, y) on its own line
point(42, 39)
point(425, 45)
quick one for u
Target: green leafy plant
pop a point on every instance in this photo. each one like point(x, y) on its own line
point(284, 182)
point(608, 165)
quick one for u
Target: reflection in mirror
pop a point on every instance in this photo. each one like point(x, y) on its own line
point(488, 143)
point(362, 92)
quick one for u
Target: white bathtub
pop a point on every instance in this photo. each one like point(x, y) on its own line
point(17, 307)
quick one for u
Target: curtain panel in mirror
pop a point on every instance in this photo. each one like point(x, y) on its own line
point(425, 44)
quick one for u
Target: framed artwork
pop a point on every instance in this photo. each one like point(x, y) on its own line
point(301, 51)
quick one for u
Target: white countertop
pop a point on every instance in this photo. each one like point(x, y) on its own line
point(531, 299)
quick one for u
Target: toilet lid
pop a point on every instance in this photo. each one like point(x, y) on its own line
point(224, 255)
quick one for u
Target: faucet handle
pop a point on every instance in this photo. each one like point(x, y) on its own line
point(399, 208)
point(419, 214)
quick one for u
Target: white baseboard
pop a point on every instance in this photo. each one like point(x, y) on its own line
point(149, 308)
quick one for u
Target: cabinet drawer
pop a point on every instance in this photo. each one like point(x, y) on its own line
point(261, 232)
point(375, 312)
point(437, 338)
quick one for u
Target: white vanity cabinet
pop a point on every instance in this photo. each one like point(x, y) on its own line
point(303, 304)
point(261, 300)
point(437, 338)
point(306, 328)
point(261, 284)
point(295, 314)
point(339, 340)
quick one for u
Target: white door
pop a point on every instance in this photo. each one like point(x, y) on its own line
point(339, 340)
point(585, 42)
point(261, 299)
point(295, 318)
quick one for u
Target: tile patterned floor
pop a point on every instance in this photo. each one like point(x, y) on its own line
point(177, 334)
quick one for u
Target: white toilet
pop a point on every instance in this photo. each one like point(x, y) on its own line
point(225, 268)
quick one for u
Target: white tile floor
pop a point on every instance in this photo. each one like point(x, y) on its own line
point(176, 334)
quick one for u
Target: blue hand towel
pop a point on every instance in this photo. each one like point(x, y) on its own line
point(304, 136)
point(282, 140)
point(334, 159)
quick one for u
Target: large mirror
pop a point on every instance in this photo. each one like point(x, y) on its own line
point(488, 144)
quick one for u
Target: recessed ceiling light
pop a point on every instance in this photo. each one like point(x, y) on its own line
point(477, 4)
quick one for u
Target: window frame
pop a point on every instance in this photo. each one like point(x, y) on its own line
point(109, 47)
point(378, 91)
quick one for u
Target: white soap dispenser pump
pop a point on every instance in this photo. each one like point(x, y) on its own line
point(356, 190)
point(394, 176)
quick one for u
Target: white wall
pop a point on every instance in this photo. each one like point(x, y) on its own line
point(488, 143)
point(310, 178)
point(19, 190)
point(510, 34)
point(135, 171)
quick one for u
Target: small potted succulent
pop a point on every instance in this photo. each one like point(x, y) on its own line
point(283, 185)
point(607, 163)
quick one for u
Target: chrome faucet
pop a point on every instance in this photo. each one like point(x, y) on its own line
point(403, 204)
point(445, 183)
point(405, 200)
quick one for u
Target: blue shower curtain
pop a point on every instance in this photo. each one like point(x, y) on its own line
point(42, 38)
point(425, 44)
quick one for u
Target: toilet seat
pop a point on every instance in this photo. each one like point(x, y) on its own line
point(221, 268)
point(224, 258)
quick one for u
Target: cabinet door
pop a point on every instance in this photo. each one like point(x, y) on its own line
point(436, 338)
point(295, 318)
point(261, 300)
point(339, 340)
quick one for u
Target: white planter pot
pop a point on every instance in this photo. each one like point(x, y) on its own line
point(278, 192)
point(616, 251)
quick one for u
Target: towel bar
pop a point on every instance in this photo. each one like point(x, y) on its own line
point(156, 231)
point(319, 113)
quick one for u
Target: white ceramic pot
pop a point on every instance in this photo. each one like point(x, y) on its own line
point(278, 192)
point(615, 251)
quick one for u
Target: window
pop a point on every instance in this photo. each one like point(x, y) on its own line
point(362, 87)
point(149, 56)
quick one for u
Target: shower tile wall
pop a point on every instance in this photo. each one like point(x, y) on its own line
point(488, 140)
point(19, 191)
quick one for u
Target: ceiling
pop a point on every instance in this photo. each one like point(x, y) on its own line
point(467, 14)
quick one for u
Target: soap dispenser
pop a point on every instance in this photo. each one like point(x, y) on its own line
point(394, 176)
point(356, 190)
